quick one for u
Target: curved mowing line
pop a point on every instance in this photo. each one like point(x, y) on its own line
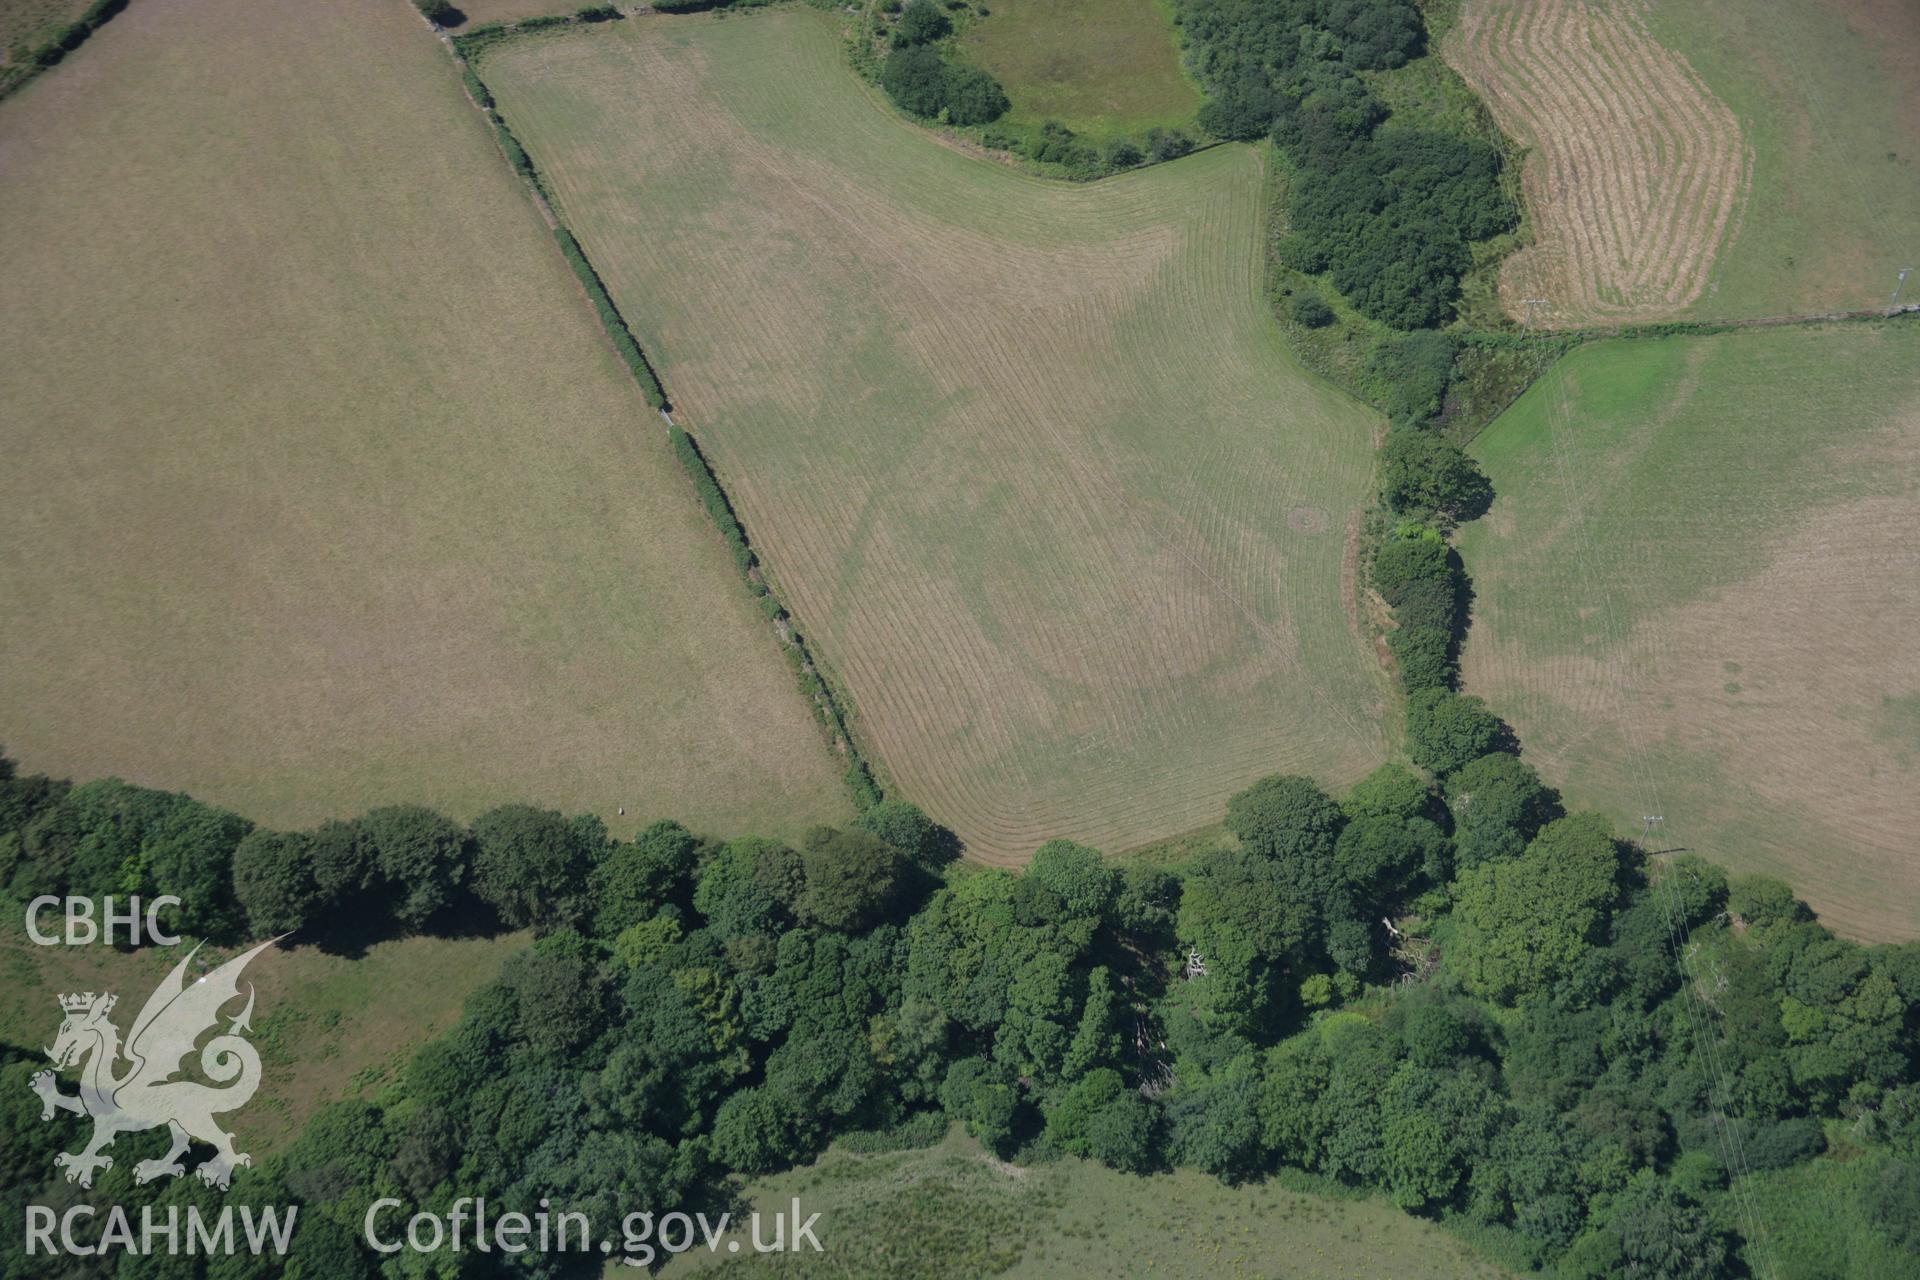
point(1636, 170)
point(1020, 454)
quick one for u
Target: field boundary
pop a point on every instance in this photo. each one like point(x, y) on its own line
point(55, 51)
point(829, 706)
point(1707, 328)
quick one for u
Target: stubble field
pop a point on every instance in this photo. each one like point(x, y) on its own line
point(1704, 159)
point(1697, 597)
point(323, 489)
point(1030, 460)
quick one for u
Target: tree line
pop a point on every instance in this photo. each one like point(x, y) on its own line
point(51, 52)
point(1440, 986)
point(923, 82)
point(1388, 211)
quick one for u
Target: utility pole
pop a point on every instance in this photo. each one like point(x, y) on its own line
point(1531, 303)
point(1898, 285)
point(1648, 821)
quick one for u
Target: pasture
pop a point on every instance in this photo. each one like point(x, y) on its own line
point(953, 1210)
point(1707, 159)
point(1100, 67)
point(1030, 461)
point(327, 1026)
point(1697, 597)
point(323, 488)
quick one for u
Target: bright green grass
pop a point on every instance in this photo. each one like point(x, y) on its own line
point(950, 1210)
point(1828, 92)
point(1100, 67)
point(1031, 460)
point(1698, 597)
point(1814, 1223)
point(322, 488)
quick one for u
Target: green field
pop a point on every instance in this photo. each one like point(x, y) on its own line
point(327, 1026)
point(1828, 94)
point(1100, 67)
point(1031, 461)
point(1697, 596)
point(951, 1210)
point(323, 489)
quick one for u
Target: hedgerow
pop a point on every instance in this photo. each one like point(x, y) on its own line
point(694, 463)
point(610, 318)
point(55, 49)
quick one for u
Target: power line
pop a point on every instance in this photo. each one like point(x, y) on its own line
point(1646, 782)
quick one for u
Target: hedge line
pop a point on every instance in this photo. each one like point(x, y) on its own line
point(610, 318)
point(64, 42)
point(825, 701)
point(712, 497)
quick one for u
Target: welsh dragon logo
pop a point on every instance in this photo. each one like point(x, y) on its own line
point(148, 1091)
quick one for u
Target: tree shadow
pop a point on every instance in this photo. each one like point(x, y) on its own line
point(351, 931)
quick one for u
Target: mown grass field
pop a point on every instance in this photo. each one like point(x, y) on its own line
point(1829, 94)
point(1697, 597)
point(327, 1026)
point(1100, 67)
point(323, 489)
point(1030, 460)
point(952, 1210)
point(1710, 159)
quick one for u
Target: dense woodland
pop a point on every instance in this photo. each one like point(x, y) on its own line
point(1386, 210)
point(1442, 988)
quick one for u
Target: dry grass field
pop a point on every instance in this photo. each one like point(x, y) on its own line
point(323, 489)
point(1029, 459)
point(1698, 597)
point(1706, 159)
